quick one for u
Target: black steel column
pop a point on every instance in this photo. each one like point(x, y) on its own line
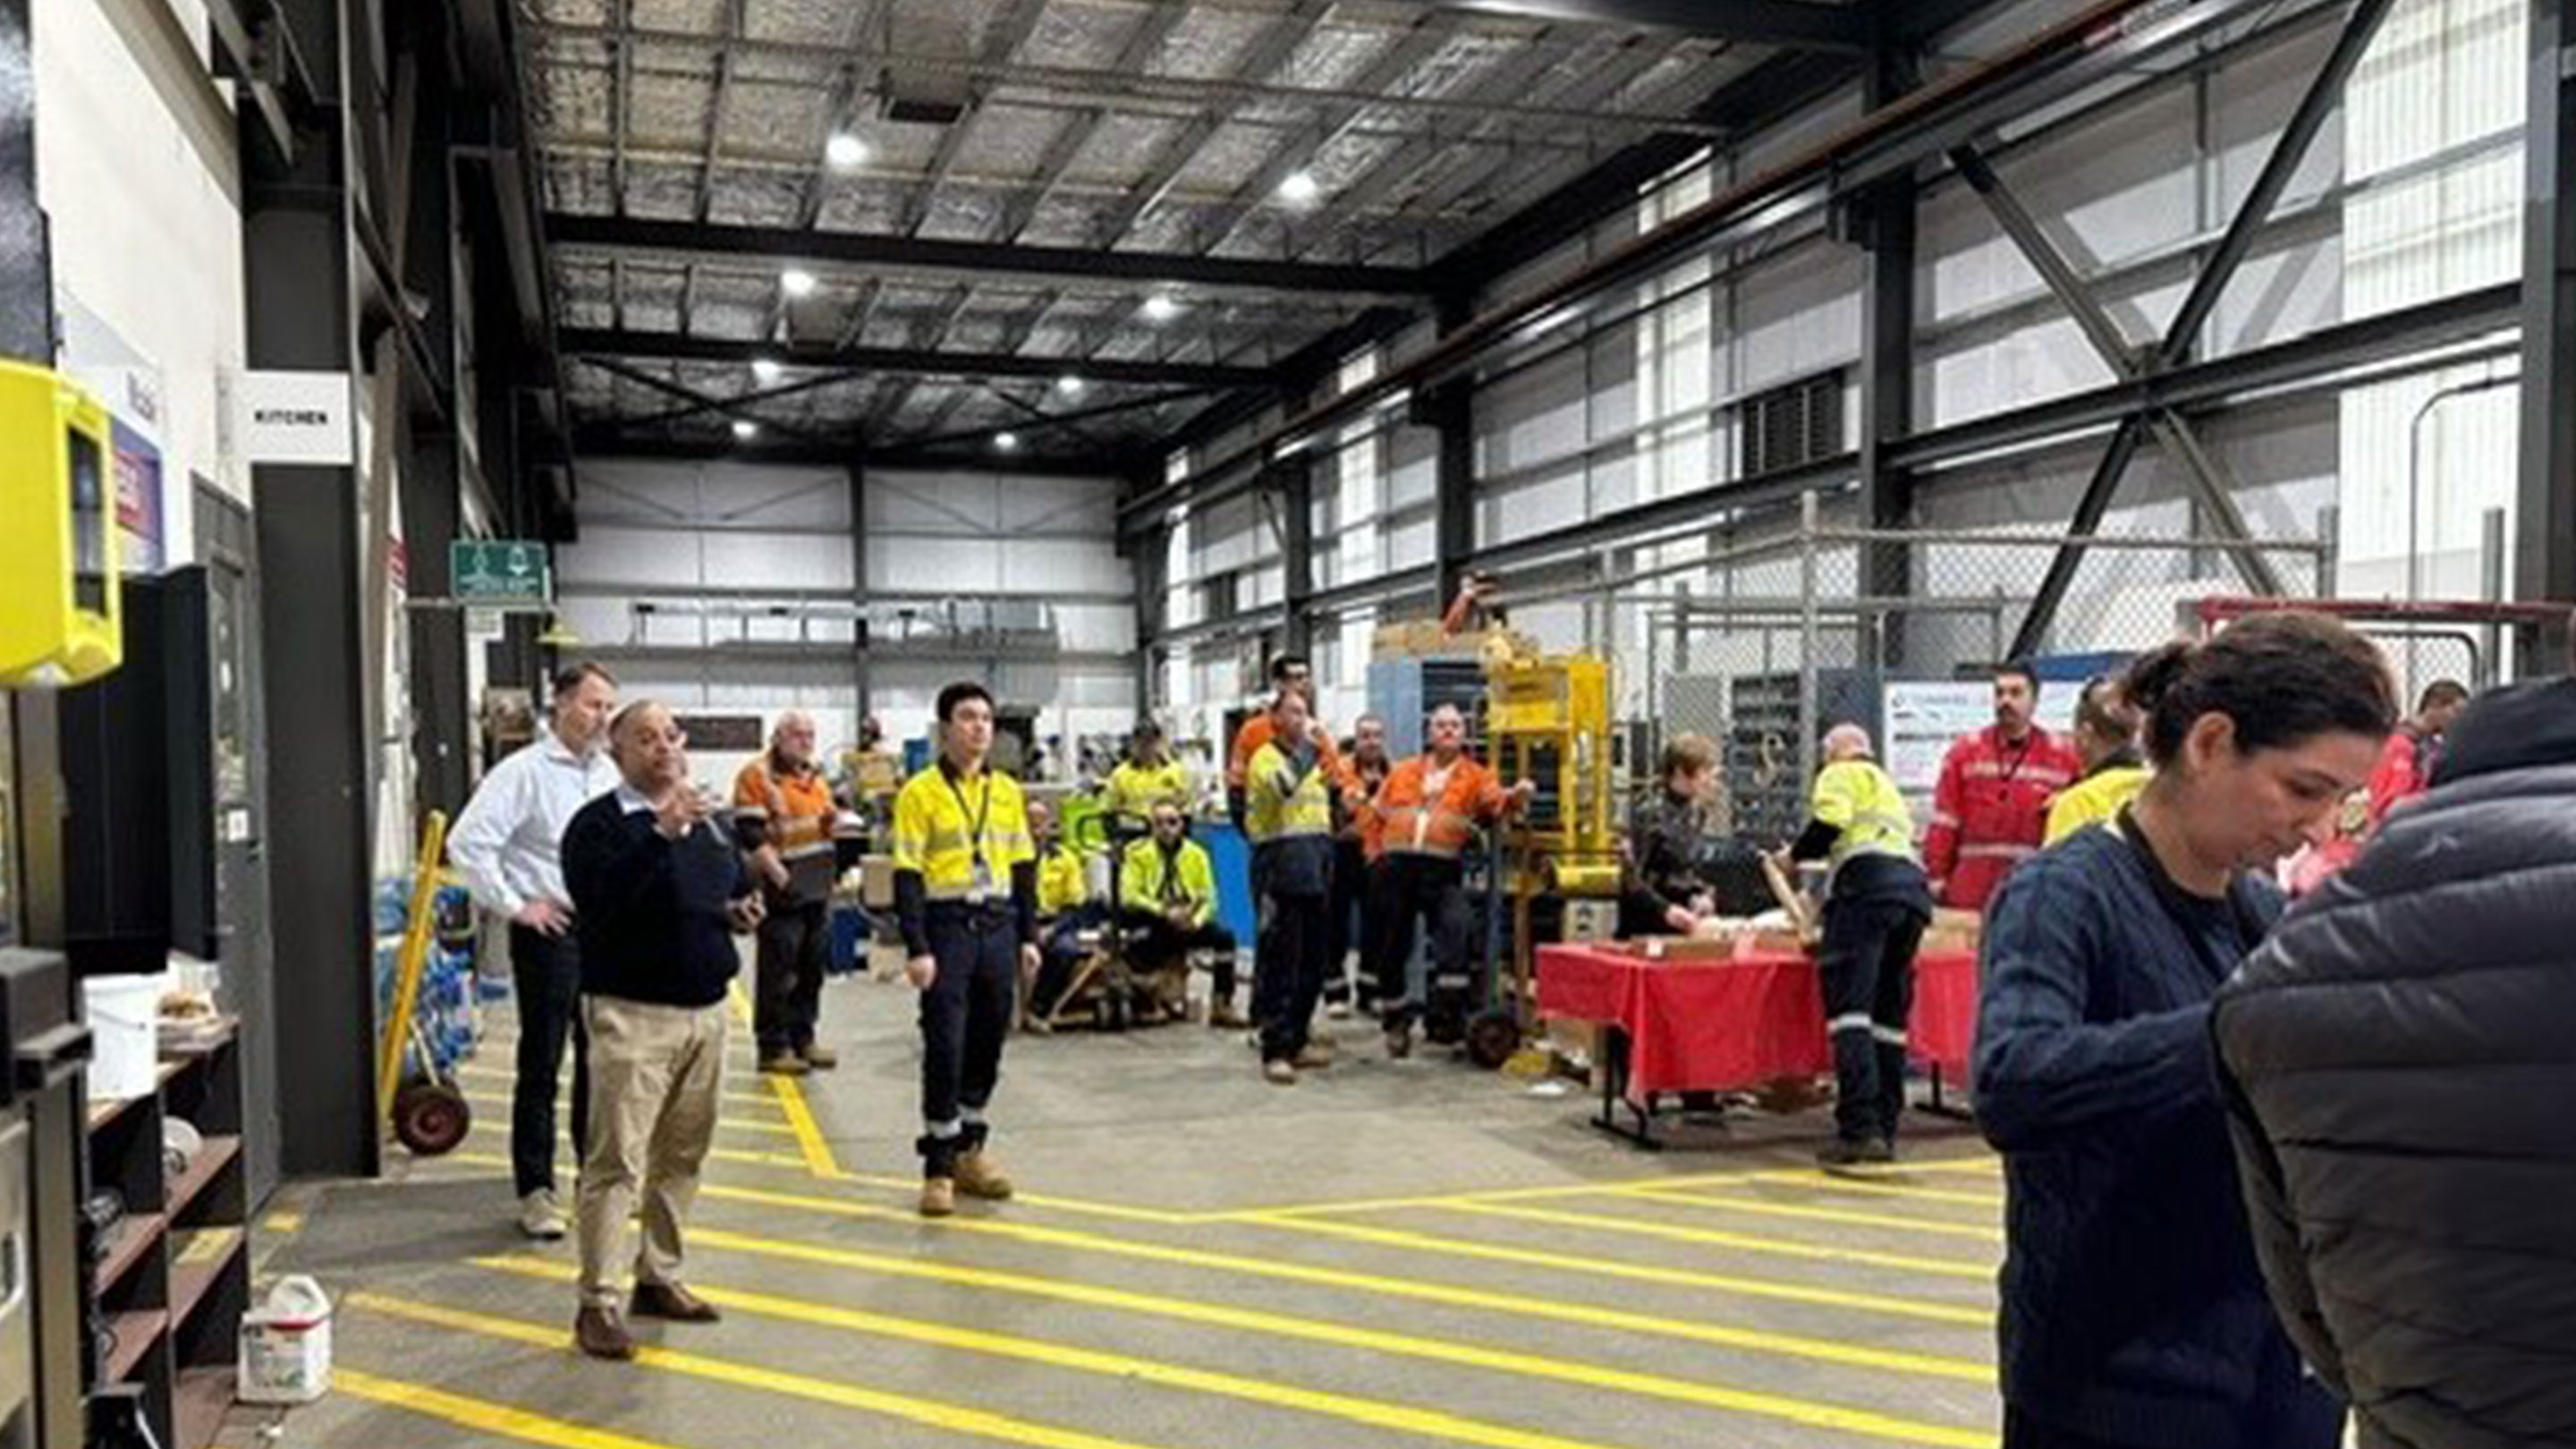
point(433, 480)
point(2545, 549)
point(296, 265)
point(862, 678)
point(1451, 411)
point(1152, 551)
point(1293, 483)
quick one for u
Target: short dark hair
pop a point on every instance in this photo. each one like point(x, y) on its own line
point(2442, 692)
point(2282, 678)
point(1280, 666)
point(1146, 729)
point(570, 677)
point(2018, 669)
point(2103, 712)
point(957, 694)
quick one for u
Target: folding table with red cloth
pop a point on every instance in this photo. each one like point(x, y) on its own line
point(1686, 1024)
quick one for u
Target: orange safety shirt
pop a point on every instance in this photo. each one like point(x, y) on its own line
point(1421, 811)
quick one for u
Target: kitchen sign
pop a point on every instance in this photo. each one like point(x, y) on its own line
point(295, 417)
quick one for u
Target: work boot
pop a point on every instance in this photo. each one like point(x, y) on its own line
point(938, 1197)
point(1223, 1016)
point(979, 1176)
point(1399, 1043)
point(1845, 1152)
point(671, 1301)
point(784, 1064)
point(541, 1216)
point(601, 1334)
point(820, 1058)
point(1279, 1072)
point(1313, 1056)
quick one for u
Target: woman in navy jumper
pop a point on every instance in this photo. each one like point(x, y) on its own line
point(2134, 1315)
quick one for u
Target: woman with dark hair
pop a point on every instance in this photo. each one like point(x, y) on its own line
point(2106, 739)
point(2133, 1314)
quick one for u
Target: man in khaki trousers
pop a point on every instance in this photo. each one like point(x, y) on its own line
point(659, 893)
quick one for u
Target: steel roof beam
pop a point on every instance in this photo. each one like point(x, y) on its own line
point(1791, 24)
point(781, 245)
point(1003, 40)
point(908, 361)
point(1141, 47)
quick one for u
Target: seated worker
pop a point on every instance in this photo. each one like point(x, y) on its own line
point(1877, 902)
point(1167, 904)
point(1665, 893)
point(1146, 778)
point(2106, 740)
point(1065, 911)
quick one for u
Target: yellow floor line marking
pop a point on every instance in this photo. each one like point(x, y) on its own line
point(1837, 1182)
point(1983, 1272)
point(282, 1223)
point(714, 1154)
point(482, 1414)
point(1526, 1365)
point(1639, 1272)
point(912, 1185)
point(496, 1074)
point(723, 1124)
point(1841, 1216)
point(802, 1126)
point(931, 1413)
point(1623, 1320)
point(1580, 1189)
point(1448, 1428)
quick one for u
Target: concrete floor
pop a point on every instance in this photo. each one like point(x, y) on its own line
point(1386, 1254)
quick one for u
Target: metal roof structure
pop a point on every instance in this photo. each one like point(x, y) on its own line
point(1082, 223)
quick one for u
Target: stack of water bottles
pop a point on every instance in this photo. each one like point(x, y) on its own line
point(447, 1007)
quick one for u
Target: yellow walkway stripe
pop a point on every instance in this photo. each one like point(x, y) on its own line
point(1841, 1216)
point(1448, 1428)
point(1642, 1273)
point(1625, 1320)
point(1582, 1189)
point(1526, 1365)
point(726, 1124)
point(1859, 1187)
point(1983, 1272)
point(931, 1413)
point(802, 1126)
point(911, 1186)
point(480, 1414)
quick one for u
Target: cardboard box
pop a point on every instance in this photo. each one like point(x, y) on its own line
point(876, 882)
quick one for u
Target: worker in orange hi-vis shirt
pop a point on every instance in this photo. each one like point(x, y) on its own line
point(1427, 812)
point(782, 810)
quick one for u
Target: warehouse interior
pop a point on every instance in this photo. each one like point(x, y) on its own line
point(1627, 375)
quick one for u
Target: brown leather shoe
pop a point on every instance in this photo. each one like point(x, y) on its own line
point(1313, 1056)
point(820, 1058)
point(671, 1301)
point(601, 1334)
point(938, 1197)
point(979, 1176)
point(784, 1064)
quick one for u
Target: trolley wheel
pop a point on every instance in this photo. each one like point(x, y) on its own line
point(431, 1118)
point(1492, 1039)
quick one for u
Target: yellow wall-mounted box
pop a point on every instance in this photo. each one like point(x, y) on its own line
point(60, 622)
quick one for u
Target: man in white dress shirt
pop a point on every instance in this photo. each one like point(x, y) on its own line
point(507, 844)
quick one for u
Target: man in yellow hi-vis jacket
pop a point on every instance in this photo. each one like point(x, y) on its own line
point(1877, 902)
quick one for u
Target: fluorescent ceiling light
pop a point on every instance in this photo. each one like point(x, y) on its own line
point(745, 429)
point(1071, 385)
point(1300, 188)
point(1161, 307)
point(766, 370)
point(846, 152)
point(1006, 442)
point(797, 282)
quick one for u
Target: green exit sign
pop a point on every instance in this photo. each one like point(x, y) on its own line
point(500, 571)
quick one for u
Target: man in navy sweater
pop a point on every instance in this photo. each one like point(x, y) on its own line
point(659, 893)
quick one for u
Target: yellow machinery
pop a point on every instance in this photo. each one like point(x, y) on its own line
point(60, 621)
point(1547, 721)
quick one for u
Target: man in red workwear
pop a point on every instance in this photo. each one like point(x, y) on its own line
point(1991, 809)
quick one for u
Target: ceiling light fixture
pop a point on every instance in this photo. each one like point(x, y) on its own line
point(797, 282)
point(744, 430)
point(845, 151)
point(1071, 386)
point(766, 370)
point(1006, 442)
point(1300, 188)
point(1161, 307)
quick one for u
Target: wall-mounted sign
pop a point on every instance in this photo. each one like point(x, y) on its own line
point(295, 417)
point(499, 571)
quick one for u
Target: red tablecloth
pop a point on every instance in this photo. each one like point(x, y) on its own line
point(1715, 1025)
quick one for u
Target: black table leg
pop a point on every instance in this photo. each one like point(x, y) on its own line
point(1614, 1095)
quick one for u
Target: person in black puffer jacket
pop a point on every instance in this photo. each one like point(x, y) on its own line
point(2402, 1064)
point(2134, 1315)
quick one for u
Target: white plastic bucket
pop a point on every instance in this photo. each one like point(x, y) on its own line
point(122, 1013)
point(286, 1345)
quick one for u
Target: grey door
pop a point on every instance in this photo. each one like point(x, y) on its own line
point(227, 543)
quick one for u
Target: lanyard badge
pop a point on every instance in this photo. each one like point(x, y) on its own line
point(979, 888)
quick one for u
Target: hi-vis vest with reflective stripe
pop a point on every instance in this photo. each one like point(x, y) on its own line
point(1863, 801)
point(933, 818)
point(1277, 807)
point(1414, 819)
point(794, 810)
